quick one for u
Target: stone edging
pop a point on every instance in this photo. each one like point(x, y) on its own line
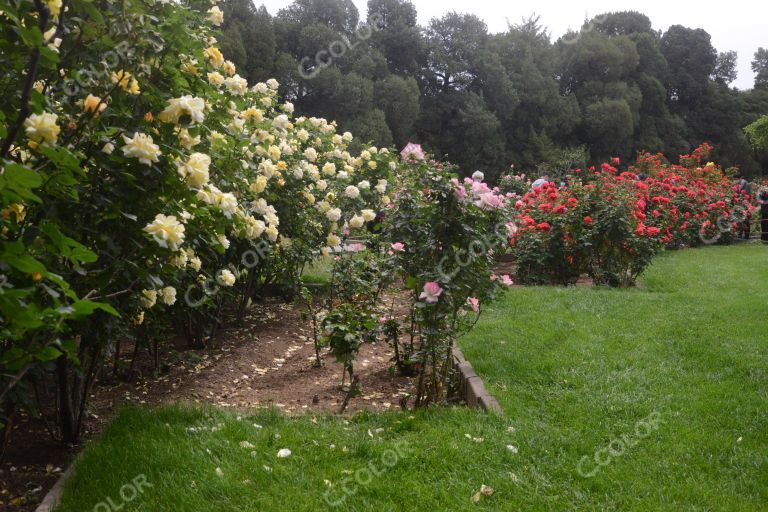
point(53, 497)
point(471, 387)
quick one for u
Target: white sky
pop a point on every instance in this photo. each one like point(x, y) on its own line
point(740, 25)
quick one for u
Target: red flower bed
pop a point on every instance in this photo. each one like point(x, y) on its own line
point(610, 223)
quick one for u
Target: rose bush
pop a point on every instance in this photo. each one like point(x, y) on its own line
point(146, 186)
point(445, 236)
point(610, 223)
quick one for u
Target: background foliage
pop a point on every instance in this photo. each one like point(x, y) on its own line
point(485, 100)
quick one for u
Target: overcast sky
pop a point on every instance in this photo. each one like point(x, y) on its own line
point(739, 25)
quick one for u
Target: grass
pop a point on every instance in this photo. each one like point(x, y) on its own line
point(317, 272)
point(677, 369)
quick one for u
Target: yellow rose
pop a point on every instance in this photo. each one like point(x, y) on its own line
point(259, 185)
point(125, 81)
point(94, 104)
point(214, 56)
point(54, 6)
point(42, 129)
point(166, 230)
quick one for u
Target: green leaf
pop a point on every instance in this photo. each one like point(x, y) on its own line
point(89, 9)
point(32, 36)
point(83, 308)
point(14, 358)
point(63, 158)
point(21, 181)
point(48, 353)
point(69, 248)
point(15, 255)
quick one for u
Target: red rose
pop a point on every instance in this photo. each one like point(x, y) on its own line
point(543, 226)
point(587, 220)
point(652, 231)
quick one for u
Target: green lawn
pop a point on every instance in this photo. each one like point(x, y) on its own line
point(667, 383)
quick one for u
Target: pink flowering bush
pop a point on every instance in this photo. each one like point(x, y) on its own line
point(445, 235)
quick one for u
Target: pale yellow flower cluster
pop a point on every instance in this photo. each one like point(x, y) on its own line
point(142, 147)
point(195, 171)
point(42, 129)
point(215, 16)
point(260, 148)
point(186, 105)
point(167, 231)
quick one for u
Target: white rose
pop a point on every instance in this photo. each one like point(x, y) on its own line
point(226, 277)
point(352, 192)
point(142, 147)
point(166, 230)
point(169, 295)
point(195, 170)
point(329, 169)
point(149, 298)
point(216, 16)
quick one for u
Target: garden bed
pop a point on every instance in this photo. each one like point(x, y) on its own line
point(268, 361)
point(654, 394)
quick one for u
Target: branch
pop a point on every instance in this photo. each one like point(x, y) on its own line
point(15, 380)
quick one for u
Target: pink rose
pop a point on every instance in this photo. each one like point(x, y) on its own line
point(398, 247)
point(474, 303)
point(431, 292)
point(506, 280)
point(412, 151)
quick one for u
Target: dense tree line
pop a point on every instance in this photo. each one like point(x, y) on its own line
point(486, 101)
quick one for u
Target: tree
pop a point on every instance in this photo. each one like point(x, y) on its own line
point(692, 60)
point(608, 124)
point(760, 68)
point(248, 39)
point(454, 42)
point(758, 134)
point(725, 68)
point(396, 35)
point(621, 23)
point(338, 15)
point(371, 127)
point(399, 100)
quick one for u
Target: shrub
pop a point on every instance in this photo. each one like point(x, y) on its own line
point(610, 223)
point(147, 186)
point(445, 235)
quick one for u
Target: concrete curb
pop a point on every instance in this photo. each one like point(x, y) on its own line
point(53, 496)
point(471, 387)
